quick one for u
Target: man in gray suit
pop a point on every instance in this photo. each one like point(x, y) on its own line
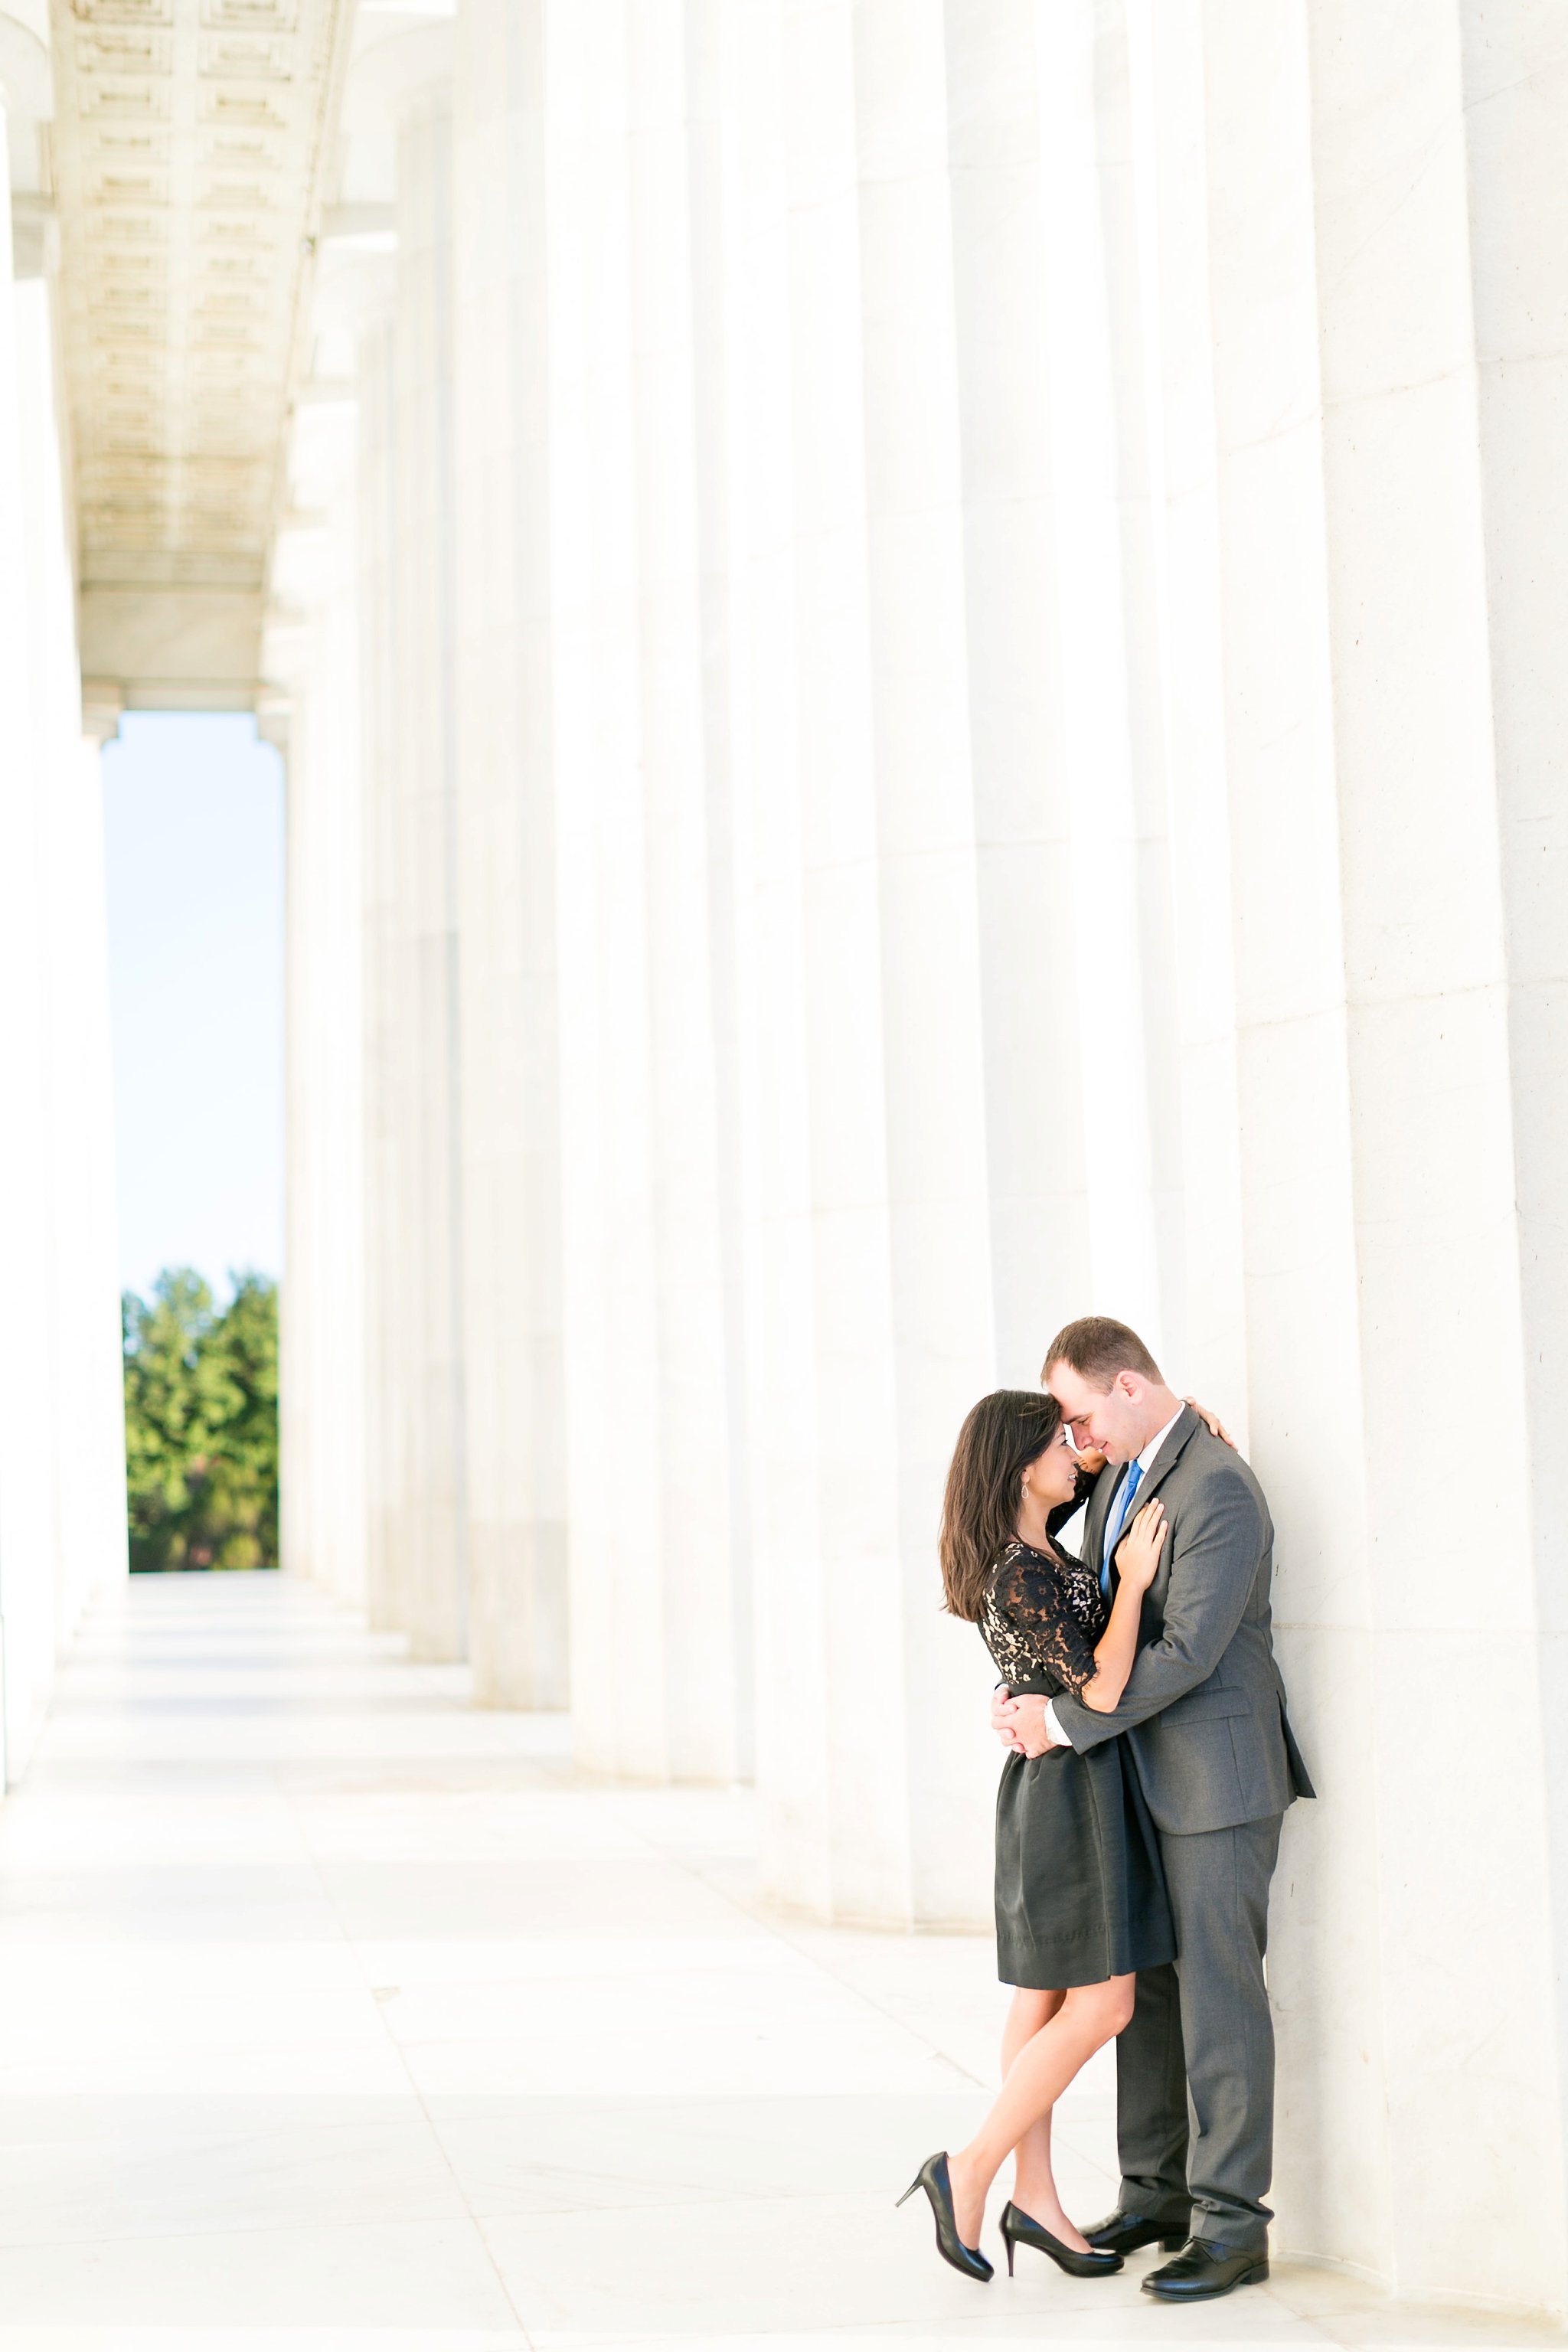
point(1204, 1715)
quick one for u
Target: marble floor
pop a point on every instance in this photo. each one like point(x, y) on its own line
point(338, 2014)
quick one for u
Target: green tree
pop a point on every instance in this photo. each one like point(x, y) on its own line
point(201, 1423)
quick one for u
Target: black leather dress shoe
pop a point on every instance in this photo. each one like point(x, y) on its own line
point(1205, 2268)
point(1124, 2233)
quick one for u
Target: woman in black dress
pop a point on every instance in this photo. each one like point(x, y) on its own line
point(1080, 1897)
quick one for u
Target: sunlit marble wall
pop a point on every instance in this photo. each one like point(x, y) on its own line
point(62, 1490)
point(998, 594)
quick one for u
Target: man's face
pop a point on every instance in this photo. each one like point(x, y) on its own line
point(1105, 1419)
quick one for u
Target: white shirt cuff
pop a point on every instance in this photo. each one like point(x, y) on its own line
point(1053, 1725)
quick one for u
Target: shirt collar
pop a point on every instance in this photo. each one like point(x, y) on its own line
point(1146, 1459)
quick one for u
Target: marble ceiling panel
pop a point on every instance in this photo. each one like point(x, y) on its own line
point(189, 152)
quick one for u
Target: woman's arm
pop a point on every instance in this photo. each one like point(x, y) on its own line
point(1114, 1652)
point(1224, 1538)
point(1030, 1592)
point(1137, 1558)
point(1211, 1422)
point(1090, 1466)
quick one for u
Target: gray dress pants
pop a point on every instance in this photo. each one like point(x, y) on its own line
point(1194, 2069)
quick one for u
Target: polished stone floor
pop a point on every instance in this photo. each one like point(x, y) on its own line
point(339, 2015)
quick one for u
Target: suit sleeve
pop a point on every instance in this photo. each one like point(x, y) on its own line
point(1217, 1547)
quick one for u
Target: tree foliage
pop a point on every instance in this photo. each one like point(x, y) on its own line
point(201, 1423)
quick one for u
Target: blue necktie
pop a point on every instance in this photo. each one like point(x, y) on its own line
point(1118, 1520)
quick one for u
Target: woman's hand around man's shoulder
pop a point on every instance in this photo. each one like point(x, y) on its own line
point(1211, 1422)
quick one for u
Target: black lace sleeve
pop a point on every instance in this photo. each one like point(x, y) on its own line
point(1042, 1618)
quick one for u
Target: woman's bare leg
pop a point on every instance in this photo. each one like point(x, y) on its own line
point(1033, 2188)
point(1090, 2016)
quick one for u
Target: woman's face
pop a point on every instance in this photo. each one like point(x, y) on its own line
point(1052, 1477)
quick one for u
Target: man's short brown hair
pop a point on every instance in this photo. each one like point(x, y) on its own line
point(1096, 1348)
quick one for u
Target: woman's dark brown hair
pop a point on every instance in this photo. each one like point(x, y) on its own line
point(1006, 1431)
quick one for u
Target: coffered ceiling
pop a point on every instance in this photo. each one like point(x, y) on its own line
point(189, 153)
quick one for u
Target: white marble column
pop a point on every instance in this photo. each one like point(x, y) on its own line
point(1115, 897)
point(1241, 87)
point(1023, 803)
point(1153, 198)
point(1376, 563)
point(86, 1461)
point(515, 1469)
point(1421, 601)
point(62, 1503)
point(313, 657)
point(389, 1228)
point(651, 1376)
point(1512, 78)
point(870, 1318)
point(26, 1600)
point(417, 1573)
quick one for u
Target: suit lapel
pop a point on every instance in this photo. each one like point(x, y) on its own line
point(1099, 1515)
point(1168, 1456)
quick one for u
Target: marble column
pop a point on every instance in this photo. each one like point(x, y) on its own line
point(312, 656)
point(1512, 81)
point(388, 1224)
point(514, 1470)
point(1040, 967)
point(62, 1510)
point(27, 1657)
point(1443, 786)
point(1378, 561)
point(86, 1461)
point(871, 1324)
point(417, 1568)
point(1117, 897)
point(651, 1379)
point(1237, 90)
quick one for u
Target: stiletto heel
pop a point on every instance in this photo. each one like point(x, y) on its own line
point(1018, 2229)
point(932, 2177)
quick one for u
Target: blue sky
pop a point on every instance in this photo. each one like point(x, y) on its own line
point(194, 822)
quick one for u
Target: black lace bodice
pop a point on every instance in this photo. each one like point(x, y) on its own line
point(1041, 1618)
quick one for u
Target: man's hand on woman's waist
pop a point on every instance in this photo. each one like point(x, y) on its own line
point(1023, 1723)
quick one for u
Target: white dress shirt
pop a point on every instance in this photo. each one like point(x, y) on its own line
point(1054, 1731)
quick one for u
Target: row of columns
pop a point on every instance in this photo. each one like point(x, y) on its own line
point(954, 643)
point(62, 1459)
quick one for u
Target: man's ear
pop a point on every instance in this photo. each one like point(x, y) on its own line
point(1130, 1386)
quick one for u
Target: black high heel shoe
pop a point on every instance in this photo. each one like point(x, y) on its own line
point(932, 2177)
point(1018, 2230)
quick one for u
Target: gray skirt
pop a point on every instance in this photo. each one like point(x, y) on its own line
point(1080, 1893)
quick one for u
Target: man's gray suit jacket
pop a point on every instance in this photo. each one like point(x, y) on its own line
point(1204, 1709)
